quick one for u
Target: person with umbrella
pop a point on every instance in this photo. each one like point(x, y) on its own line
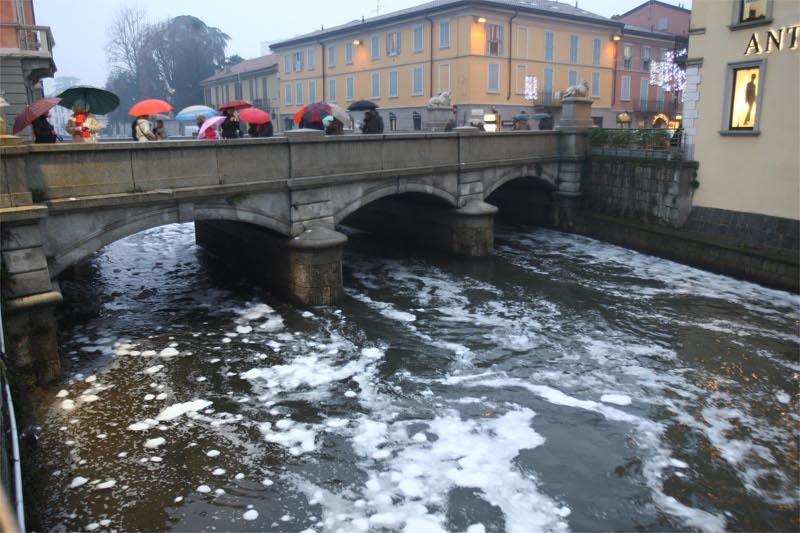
point(160, 131)
point(143, 129)
point(373, 123)
point(230, 127)
point(43, 131)
point(82, 125)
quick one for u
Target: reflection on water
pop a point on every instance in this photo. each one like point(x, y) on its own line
point(563, 384)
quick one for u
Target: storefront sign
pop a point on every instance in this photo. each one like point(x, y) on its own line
point(776, 40)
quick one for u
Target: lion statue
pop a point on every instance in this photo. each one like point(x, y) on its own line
point(581, 90)
point(443, 100)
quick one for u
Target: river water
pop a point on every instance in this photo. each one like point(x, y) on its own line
point(562, 384)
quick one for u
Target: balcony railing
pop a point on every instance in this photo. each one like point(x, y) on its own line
point(37, 40)
point(668, 107)
point(552, 98)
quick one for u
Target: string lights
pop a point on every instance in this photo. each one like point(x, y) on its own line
point(531, 88)
point(667, 74)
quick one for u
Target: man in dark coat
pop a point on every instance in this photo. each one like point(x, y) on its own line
point(43, 131)
point(373, 123)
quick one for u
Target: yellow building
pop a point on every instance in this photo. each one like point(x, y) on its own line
point(741, 113)
point(254, 80)
point(504, 54)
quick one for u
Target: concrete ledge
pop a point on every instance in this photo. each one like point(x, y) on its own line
point(31, 212)
point(28, 303)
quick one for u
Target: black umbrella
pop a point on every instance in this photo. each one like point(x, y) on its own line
point(362, 105)
point(540, 116)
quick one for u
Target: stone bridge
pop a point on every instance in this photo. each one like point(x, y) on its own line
point(279, 198)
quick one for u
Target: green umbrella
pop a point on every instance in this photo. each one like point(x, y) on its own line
point(99, 101)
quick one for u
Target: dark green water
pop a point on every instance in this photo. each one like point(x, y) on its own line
point(563, 384)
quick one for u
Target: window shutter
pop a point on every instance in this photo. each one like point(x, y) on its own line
point(388, 44)
point(500, 32)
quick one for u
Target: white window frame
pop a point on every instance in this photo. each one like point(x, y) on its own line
point(350, 88)
point(312, 91)
point(596, 84)
point(622, 95)
point(627, 46)
point(287, 93)
point(312, 58)
point(393, 38)
point(375, 76)
point(501, 45)
point(522, 40)
point(375, 47)
point(332, 89)
point(644, 83)
point(597, 51)
point(572, 77)
point(287, 63)
point(517, 88)
point(489, 88)
point(414, 72)
point(418, 31)
point(552, 36)
point(396, 75)
point(576, 50)
point(441, 69)
point(348, 53)
point(332, 56)
point(442, 42)
point(298, 93)
point(663, 24)
point(298, 61)
point(642, 58)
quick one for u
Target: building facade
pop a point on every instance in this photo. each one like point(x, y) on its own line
point(741, 112)
point(636, 92)
point(658, 16)
point(26, 56)
point(254, 80)
point(500, 55)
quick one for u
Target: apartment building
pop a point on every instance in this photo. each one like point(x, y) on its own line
point(498, 56)
point(254, 80)
point(741, 110)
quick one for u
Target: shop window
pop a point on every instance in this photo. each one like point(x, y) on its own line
point(744, 91)
point(752, 10)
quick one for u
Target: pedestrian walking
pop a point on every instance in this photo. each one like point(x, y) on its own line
point(373, 123)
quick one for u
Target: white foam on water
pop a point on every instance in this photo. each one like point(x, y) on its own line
point(106, 484)
point(212, 453)
point(174, 411)
point(252, 514)
point(78, 481)
point(155, 443)
point(203, 489)
point(618, 399)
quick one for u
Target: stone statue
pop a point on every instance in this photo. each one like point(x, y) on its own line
point(581, 90)
point(443, 100)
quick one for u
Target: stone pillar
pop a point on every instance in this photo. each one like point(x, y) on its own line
point(472, 230)
point(315, 267)
point(437, 117)
point(574, 126)
point(306, 269)
point(29, 302)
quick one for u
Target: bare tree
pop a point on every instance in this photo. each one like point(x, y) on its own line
point(126, 39)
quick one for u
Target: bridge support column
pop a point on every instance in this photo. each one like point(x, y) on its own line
point(29, 302)
point(467, 231)
point(306, 269)
point(575, 125)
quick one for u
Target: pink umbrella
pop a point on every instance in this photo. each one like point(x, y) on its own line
point(34, 111)
point(213, 121)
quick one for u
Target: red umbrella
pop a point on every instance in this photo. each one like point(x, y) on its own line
point(255, 116)
point(149, 107)
point(32, 112)
point(312, 113)
point(236, 105)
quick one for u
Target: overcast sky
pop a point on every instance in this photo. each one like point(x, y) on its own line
point(79, 27)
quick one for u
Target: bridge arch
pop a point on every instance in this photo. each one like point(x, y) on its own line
point(392, 190)
point(81, 243)
point(543, 174)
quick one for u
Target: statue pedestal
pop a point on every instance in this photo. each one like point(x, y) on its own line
point(437, 117)
point(576, 112)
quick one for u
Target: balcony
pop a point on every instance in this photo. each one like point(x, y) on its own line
point(668, 107)
point(551, 98)
point(30, 41)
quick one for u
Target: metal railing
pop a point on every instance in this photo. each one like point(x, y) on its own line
point(551, 98)
point(668, 107)
point(641, 143)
